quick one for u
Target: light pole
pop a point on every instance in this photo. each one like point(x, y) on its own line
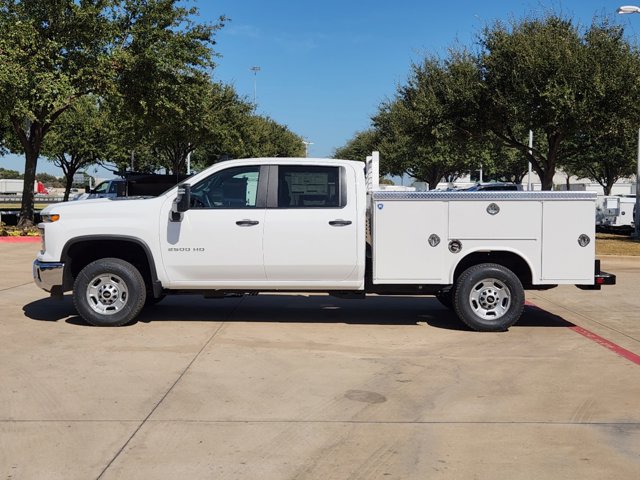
point(636, 218)
point(255, 71)
point(530, 152)
point(306, 148)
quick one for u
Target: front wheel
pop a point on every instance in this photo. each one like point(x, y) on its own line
point(109, 292)
point(489, 297)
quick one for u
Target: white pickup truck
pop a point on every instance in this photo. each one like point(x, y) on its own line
point(276, 224)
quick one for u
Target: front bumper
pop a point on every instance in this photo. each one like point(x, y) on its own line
point(48, 276)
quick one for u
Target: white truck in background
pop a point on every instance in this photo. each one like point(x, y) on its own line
point(298, 224)
point(14, 186)
point(616, 213)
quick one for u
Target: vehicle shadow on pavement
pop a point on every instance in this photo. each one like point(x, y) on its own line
point(374, 310)
point(534, 316)
point(53, 310)
point(307, 309)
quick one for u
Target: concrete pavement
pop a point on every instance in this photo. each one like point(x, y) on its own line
point(313, 387)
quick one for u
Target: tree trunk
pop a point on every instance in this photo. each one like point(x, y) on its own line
point(31, 141)
point(26, 209)
point(608, 186)
point(547, 179)
point(68, 182)
point(433, 181)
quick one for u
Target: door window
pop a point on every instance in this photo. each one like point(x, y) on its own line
point(230, 188)
point(309, 187)
point(102, 188)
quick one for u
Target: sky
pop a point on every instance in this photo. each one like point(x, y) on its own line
point(325, 66)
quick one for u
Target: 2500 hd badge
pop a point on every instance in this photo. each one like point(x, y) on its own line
point(185, 249)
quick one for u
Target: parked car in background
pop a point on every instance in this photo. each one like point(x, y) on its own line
point(133, 185)
point(492, 187)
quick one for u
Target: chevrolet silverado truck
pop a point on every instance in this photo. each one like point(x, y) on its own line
point(322, 225)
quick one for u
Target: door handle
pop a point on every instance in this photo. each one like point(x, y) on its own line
point(340, 223)
point(247, 223)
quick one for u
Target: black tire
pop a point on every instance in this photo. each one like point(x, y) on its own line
point(489, 298)
point(109, 292)
point(445, 297)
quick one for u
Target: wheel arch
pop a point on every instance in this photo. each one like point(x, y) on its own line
point(510, 259)
point(80, 251)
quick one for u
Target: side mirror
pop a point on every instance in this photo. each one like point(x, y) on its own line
point(87, 189)
point(182, 203)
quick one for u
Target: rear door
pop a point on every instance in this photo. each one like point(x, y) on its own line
point(311, 227)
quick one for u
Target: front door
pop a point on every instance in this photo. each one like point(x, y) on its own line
point(219, 241)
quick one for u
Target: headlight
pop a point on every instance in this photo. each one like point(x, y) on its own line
point(50, 218)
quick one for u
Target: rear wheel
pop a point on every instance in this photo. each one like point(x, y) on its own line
point(489, 297)
point(109, 292)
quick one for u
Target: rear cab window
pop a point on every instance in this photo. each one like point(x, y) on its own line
point(310, 187)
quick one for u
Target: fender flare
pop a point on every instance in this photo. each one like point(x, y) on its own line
point(67, 280)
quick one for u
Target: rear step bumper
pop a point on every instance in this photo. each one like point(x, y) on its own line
point(600, 278)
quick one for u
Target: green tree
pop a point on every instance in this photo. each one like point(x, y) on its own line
point(604, 148)
point(78, 139)
point(359, 146)
point(570, 87)
point(612, 158)
point(9, 174)
point(425, 131)
point(49, 180)
point(534, 74)
point(200, 113)
point(264, 137)
point(245, 135)
point(501, 163)
point(53, 53)
point(5, 134)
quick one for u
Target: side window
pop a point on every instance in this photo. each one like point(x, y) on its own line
point(309, 187)
point(113, 188)
point(230, 188)
point(102, 188)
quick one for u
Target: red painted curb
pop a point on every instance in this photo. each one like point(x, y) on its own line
point(617, 349)
point(603, 342)
point(19, 239)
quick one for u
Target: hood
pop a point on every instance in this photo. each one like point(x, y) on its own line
point(96, 207)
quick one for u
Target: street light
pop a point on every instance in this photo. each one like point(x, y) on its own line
point(636, 218)
point(255, 71)
point(628, 9)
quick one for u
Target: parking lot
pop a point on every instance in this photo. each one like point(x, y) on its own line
point(314, 387)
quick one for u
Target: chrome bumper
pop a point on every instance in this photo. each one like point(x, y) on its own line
point(48, 275)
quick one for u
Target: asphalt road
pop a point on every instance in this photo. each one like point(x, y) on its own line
point(313, 387)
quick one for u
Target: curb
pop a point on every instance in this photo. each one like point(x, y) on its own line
point(19, 239)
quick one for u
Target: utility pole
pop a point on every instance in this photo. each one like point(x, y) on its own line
point(306, 148)
point(255, 71)
point(636, 217)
